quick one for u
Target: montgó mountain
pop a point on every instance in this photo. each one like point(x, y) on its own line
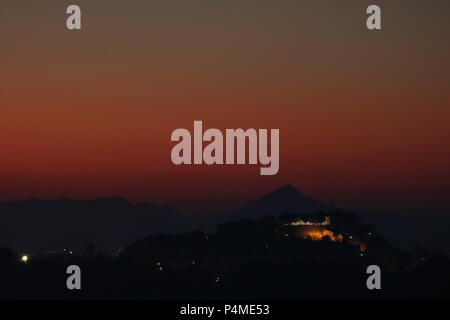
point(285, 199)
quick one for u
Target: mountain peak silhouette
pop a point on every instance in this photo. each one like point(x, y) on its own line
point(285, 199)
point(287, 190)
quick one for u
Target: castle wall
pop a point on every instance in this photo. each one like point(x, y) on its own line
point(315, 232)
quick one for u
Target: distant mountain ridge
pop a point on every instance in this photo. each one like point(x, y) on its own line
point(112, 223)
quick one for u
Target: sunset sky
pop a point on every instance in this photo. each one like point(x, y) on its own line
point(364, 116)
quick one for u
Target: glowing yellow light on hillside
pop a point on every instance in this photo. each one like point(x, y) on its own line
point(24, 258)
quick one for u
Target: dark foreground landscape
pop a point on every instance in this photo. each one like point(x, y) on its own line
point(303, 250)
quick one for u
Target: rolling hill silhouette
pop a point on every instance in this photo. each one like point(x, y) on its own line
point(108, 223)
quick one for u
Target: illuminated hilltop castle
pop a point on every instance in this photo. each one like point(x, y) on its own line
point(319, 230)
point(312, 229)
point(301, 222)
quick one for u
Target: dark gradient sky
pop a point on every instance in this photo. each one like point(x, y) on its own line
point(364, 116)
